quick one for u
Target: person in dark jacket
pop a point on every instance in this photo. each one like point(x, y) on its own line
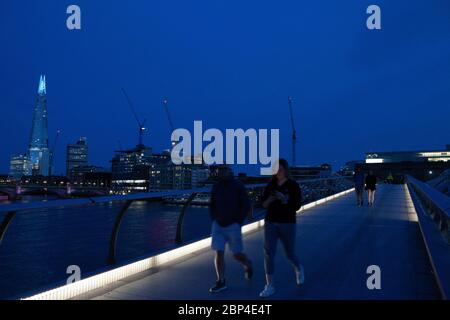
point(359, 178)
point(229, 207)
point(282, 199)
point(371, 186)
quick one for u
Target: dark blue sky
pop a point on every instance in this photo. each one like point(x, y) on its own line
point(231, 64)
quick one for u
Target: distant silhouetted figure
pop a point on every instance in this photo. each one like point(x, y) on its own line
point(282, 198)
point(371, 186)
point(358, 178)
point(229, 206)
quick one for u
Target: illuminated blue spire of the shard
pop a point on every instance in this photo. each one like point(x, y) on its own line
point(42, 89)
point(38, 148)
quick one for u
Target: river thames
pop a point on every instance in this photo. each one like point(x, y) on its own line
point(39, 245)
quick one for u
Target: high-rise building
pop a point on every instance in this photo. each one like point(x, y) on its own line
point(130, 170)
point(19, 166)
point(168, 175)
point(76, 156)
point(141, 170)
point(91, 176)
point(199, 175)
point(423, 164)
point(38, 148)
point(409, 156)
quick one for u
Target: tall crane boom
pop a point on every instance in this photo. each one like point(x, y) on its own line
point(166, 108)
point(294, 133)
point(141, 125)
point(169, 118)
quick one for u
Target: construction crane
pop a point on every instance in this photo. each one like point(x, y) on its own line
point(169, 118)
point(52, 152)
point(141, 124)
point(294, 133)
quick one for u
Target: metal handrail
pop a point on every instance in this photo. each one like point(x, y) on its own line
point(436, 203)
point(431, 202)
point(132, 196)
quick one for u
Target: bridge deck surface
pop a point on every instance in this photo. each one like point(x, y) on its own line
point(336, 242)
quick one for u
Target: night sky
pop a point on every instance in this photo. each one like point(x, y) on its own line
point(232, 64)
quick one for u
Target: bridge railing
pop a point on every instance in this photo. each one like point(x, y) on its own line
point(442, 182)
point(431, 203)
point(436, 203)
point(312, 190)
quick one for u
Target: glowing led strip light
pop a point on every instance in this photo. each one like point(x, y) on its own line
point(100, 280)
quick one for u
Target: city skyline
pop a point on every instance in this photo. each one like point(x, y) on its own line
point(32, 162)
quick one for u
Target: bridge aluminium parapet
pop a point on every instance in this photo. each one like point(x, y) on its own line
point(433, 212)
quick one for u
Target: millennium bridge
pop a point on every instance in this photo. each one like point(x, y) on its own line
point(405, 234)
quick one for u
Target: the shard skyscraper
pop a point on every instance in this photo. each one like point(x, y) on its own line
point(38, 149)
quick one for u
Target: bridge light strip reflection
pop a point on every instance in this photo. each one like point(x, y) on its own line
point(412, 214)
point(106, 278)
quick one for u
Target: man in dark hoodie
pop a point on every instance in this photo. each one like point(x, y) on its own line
point(228, 209)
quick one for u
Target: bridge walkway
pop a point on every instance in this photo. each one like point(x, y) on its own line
point(336, 242)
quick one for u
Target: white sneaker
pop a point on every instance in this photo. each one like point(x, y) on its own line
point(300, 276)
point(268, 291)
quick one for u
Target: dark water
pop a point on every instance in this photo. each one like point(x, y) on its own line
point(40, 245)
